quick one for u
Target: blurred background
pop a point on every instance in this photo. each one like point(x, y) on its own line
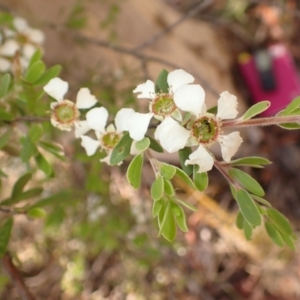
point(99, 240)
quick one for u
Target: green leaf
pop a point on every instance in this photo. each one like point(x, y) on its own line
point(213, 110)
point(187, 205)
point(5, 83)
point(280, 221)
point(5, 116)
point(157, 205)
point(36, 213)
point(288, 241)
point(35, 71)
point(273, 234)
point(37, 55)
point(20, 184)
point(155, 146)
point(253, 161)
point(5, 231)
point(43, 164)
point(290, 126)
point(247, 230)
point(35, 132)
point(121, 150)
point(168, 225)
point(142, 145)
point(28, 149)
point(167, 171)
point(239, 222)
point(183, 156)
point(48, 75)
point(261, 200)
point(4, 138)
point(185, 178)
point(22, 196)
point(200, 179)
point(134, 171)
point(248, 208)
point(291, 107)
point(179, 215)
point(168, 188)
point(247, 181)
point(157, 188)
point(56, 150)
point(256, 109)
point(60, 197)
point(161, 84)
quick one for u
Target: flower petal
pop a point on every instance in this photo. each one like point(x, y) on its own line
point(202, 158)
point(9, 48)
point(138, 125)
point(4, 65)
point(81, 127)
point(190, 98)
point(56, 88)
point(90, 145)
point(230, 143)
point(227, 105)
point(35, 36)
point(28, 50)
point(178, 78)
point(97, 118)
point(146, 89)
point(171, 135)
point(85, 99)
point(20, 24)
point(122, 117)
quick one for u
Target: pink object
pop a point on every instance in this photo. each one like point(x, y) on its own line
point(285, 75)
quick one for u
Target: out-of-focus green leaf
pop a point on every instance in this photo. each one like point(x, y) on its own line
point(35, 71)
point(247, 230)
point(60, 197)
point(261, 200)
point(179, 215)
point(5, 231)
point(185, 178)
point(183, 156)
point(5, 83)
point(256, 109)
point(247, 181)
point(134, 171)
point(161, 84)
point(288, 241)
point(273, 234)
point(23, 196)
point(280, 221)
point(20, 184)
point(5, 115)
point(157, 188)
point(168, 188)
point(48, 75)
point(43, 164)
point(121, 150)
point(291, 107)
point(200, 179)
point(252, 161)
point(36, 213)
point(187, 205)
point(4, 138)
point(157, 205)
point(37, 55)
point(167, 171)
point(239, 222)
point(35, 132)
point(28, 149)
point(248, 208)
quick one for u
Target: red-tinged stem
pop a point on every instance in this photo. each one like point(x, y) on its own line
point(222, 169)
point(262, 121)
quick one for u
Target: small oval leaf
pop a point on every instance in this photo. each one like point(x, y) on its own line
point(256, 109)
point(134, 171)
point(167, 171)
point(157, 188)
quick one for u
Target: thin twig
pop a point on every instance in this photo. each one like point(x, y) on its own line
point(31, 119)
point(16, 278)
point(191, 13)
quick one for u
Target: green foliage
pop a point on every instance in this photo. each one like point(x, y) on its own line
point(5, 84)
point(183, 156)
point(157, 188)
point(200, 179)
point(134, 171)
point(5, 231)
point(142, 145)
point(251, 161)
point(255, 110)
point(161, 84)
point(155, 146)
point(167, 171)
point(35, 71)
point(121, 150)
point(292, 109)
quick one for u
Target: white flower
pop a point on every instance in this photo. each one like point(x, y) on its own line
point(107, 137)
point(65, 113)
point(227, 104)
point(163, 105)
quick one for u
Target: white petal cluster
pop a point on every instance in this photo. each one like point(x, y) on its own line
point(57, 88)
point(21, 39)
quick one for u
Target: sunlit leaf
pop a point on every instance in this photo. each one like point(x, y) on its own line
point(291, 107)
point(167, 171)
point(143, 144)
point(134, 171)
point(36, 213)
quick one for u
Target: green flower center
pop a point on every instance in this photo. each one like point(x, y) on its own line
point(163, 105)
point(110, 139)
point(206, 130)
point(66, 112)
